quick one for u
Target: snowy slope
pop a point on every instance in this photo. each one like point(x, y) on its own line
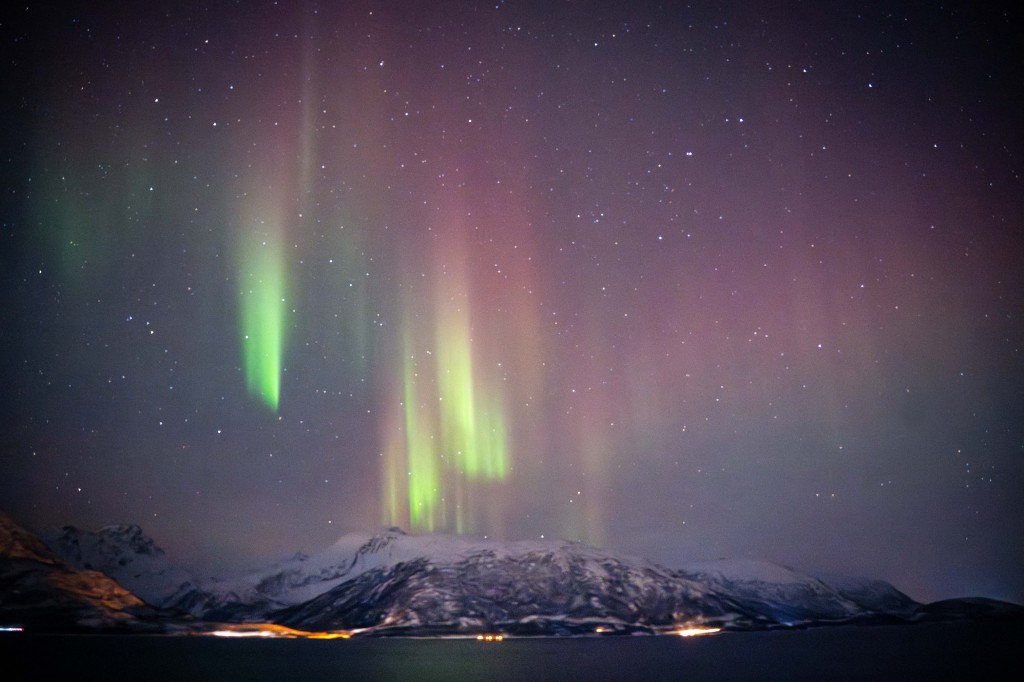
point(775, 593)
point(124, 553)
point(41, 592)
point(254, 594)
point(873, 594)
point(451, 583)
point(523, 588)
point(391, 582)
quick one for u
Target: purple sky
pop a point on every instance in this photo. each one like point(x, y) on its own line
point(694, 282)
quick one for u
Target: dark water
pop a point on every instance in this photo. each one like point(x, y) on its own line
point(921, 652)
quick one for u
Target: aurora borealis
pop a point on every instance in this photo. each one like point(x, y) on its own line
point(682, 281)
point(262, 311)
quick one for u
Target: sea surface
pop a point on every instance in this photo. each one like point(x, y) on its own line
point(936, 651)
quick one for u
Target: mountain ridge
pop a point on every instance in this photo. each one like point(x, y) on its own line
point(41, 591)
point(394, 583)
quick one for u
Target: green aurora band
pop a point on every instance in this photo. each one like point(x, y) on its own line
point(262, 311)
point(421, 456)
point(472, 425)
point(455, 440)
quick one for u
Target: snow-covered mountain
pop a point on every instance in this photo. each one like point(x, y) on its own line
point(550, 587)
point(254, 595)
point(394, 583)
point(521, 587)
point(779, 595)
point(124, 553)
point(40, 591)
point(873, 594)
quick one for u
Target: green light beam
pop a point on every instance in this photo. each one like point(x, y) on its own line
point(262, 313)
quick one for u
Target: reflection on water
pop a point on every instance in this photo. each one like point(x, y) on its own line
point(911, 651)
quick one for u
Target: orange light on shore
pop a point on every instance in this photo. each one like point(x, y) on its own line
point(694, 632)
point(271, 630)
point(490, 638)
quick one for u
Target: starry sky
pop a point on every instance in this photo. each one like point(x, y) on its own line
point(682, 281)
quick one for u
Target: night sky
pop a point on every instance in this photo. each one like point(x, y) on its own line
point(686, 282)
